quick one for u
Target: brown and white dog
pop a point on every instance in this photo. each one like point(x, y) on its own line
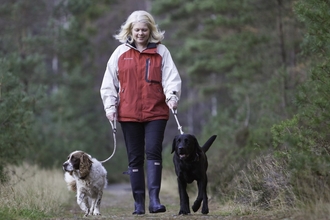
point(86, 176)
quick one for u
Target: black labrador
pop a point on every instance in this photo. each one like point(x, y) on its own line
point(191, 164)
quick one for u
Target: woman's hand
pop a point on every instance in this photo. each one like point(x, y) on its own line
point(111, 116)
point(172, 104)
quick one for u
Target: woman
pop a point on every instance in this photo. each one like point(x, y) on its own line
point(140, 84)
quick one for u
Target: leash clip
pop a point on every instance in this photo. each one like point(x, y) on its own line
point(176, 119)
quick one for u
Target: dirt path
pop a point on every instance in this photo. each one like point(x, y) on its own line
point(117, 203)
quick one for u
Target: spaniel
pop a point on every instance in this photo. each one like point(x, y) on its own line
point(86, 176)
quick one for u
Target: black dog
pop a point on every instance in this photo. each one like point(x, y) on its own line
point(191, 164)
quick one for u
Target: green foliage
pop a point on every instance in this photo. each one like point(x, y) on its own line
point(294, 143)
point(16, 119)
point(304, 140)
point(231, 55)
point(246, 56)
point(73, 117)
point(55, 102)
point(217, 39)
point(314, 14)
point(307, 131)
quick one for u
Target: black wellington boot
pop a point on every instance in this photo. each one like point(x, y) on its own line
point(138, 189)
point(154, 176)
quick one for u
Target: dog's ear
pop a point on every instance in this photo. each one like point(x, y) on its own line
point(195, 140)
point(196, 144)
point(85, 165)
point(173, 144)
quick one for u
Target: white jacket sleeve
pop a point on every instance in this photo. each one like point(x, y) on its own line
point(171, 80)
point(110, 84)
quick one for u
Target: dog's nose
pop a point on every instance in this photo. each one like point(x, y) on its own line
point(181, 150)
point(65, 164)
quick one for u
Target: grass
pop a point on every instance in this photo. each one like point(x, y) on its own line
point(32, 193)
point(262, 193)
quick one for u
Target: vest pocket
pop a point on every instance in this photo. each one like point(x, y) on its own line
point(153, 72)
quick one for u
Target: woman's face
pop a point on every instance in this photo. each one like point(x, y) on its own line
point(140, 32)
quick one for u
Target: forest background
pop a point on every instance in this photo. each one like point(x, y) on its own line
point(255, 73)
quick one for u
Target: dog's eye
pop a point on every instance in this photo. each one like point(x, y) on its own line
point(74, 158)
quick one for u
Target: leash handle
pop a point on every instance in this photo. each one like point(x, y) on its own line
point(177, 121)
point(114, 130)
point(113, 126)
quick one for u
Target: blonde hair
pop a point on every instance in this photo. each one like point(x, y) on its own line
point(125, 33)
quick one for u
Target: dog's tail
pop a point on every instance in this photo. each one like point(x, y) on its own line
point(208, 143)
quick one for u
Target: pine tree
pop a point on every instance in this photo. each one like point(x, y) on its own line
point(16, 119)
point(21, 76)
point(306, 136)
point(242, 56)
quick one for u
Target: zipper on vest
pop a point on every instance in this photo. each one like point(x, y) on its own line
point(147, 72)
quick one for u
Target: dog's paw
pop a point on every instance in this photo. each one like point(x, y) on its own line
point(205, 211)
point(184, 212)
point(196, 206)
point(96, 212)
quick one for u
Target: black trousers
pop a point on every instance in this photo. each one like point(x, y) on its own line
point(143, 138)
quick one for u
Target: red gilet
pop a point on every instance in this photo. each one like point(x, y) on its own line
point(141, 94)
